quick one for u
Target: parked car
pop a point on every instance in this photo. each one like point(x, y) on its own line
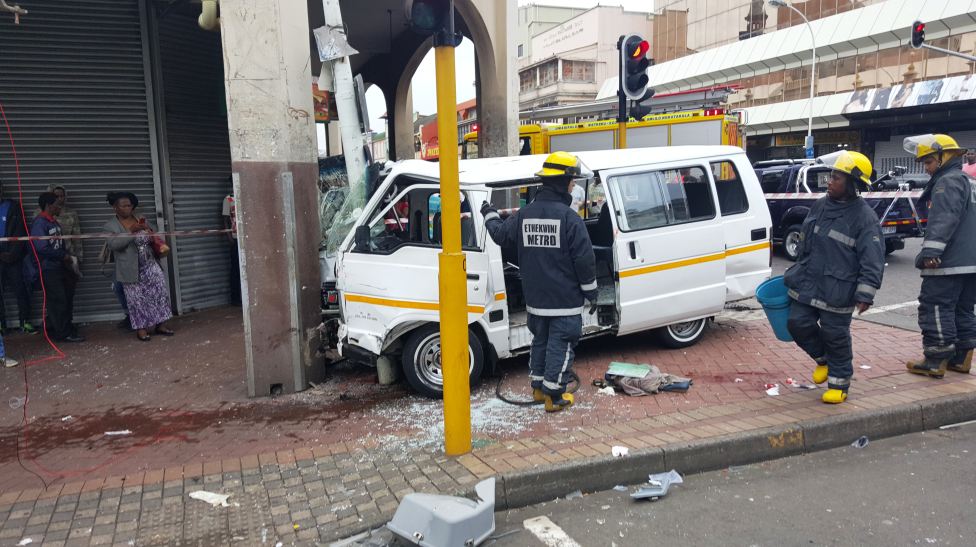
point(900, 218)
point(680, 232)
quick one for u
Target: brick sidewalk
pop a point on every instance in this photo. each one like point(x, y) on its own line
point(332, 461)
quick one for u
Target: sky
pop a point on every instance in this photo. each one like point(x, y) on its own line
point(424, 83)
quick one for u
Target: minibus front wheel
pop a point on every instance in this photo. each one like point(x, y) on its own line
point(421, 360)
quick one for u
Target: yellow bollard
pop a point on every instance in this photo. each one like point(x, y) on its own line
point(453, 279)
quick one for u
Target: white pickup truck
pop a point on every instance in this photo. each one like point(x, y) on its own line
point(677, 232)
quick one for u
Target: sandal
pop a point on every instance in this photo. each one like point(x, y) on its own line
point(142, 337)
point(164, 331)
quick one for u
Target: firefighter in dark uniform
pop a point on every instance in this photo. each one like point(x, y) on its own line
point(839, 269)
point(947, 259)
point(558, 275)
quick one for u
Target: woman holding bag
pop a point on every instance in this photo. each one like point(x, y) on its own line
point(137, 267)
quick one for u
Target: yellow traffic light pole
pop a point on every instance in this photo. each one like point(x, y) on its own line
point(453, 279)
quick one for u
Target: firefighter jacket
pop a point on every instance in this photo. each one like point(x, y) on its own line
point(554, 252)
point(951, 231)
point(841, 257)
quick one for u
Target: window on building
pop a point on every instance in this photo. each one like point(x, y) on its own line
point(662, 198)
point(548, 73)
point(728, 185)
point(521, 51)
point(527, 79)
point(578, 71)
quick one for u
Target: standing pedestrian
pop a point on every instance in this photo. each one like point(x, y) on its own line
point(137, 269)
point(11, 263)
point(947, 260)
point(54, 262)
point(70, 226)
point(970, 167)
point(229, 214)
point(558, 275)
point(5, 361)
point(839, 270)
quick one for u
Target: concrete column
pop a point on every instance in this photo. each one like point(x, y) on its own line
point(273, 151)
point(490, 24)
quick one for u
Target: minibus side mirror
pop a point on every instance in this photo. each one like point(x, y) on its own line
point(362, 238)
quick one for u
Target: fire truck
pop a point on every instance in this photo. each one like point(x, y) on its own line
point(712, 126)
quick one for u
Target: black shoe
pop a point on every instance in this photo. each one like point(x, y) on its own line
point(74, 338)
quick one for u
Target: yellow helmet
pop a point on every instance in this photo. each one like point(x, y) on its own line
point(853, 163)
point(560, 164)
point(924, 145)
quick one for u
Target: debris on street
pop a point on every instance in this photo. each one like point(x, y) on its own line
point(619, 451)
point(861, 442)
point(215, 500)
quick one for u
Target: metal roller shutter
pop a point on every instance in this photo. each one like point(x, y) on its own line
point(198, 153)
point(73, 85)
point(889, 153)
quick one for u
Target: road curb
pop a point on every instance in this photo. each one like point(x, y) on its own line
point(545, 483)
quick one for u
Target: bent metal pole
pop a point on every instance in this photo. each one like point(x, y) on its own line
point(452, 279)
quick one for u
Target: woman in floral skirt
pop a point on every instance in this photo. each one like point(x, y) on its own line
point(137, 268)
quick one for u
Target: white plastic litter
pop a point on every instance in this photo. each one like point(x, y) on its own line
point(118, 433)
point(865, 367)
point(574, 495)
point(67, 418)
point(607, 391)
point(861, 442)
point(773, 391)
point(215, 500)
point(620, 488)
point(619, 451)
point(671, 476)
point(739, 380)
point(25, 541)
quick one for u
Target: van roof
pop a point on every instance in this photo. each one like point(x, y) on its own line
point(514, 168)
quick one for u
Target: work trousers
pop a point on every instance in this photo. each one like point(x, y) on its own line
point(826, 337)
point(59, 294)
point(12, 279)
point(551, 358)
point(945, 314)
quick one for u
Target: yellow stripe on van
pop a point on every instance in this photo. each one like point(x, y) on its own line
point(405, 304)
point(695, 260)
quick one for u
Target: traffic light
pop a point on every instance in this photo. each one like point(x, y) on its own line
point(432, 17)
point(633, 66)
point(918, 34)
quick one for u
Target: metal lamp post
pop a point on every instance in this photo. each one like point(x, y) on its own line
point(808, 144)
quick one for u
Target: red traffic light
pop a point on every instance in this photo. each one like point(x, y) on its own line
point(918, 34)
point(641, 50)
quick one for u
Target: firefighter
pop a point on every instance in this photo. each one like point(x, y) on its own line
point(558, 273)
point(839, 270)
point(947, 260)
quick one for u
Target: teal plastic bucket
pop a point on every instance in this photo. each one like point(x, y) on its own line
point(775, 301)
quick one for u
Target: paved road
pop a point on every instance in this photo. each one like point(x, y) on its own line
point(900, 287)
point(912, 490)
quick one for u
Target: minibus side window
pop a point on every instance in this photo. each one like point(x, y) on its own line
point(415, 219)
point(732, 198)
point(662, 198)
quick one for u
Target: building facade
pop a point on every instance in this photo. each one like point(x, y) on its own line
point(871, 88)
point(569, 62)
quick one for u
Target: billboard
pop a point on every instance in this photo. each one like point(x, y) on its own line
point(956, 88)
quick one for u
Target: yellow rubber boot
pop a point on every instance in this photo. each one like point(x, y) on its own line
point(820, 374)
point(537, 395)
point(834, 396)
point(961, 362)
point(565, 402)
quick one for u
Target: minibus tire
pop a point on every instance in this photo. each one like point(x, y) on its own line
point(422, 348)
point(790, 238)
point(689, 335)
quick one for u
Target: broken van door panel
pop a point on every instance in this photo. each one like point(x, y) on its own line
point(390, 277)
point(670, 254)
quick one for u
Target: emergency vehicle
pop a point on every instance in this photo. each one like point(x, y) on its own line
point(692, 127)
point(677, 232)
